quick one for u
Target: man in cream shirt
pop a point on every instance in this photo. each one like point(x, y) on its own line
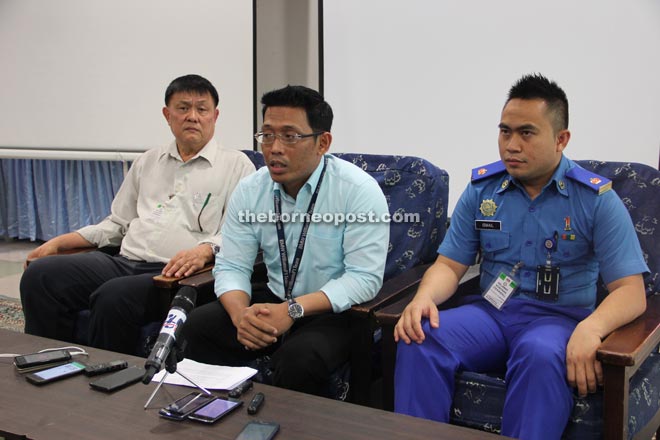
point(166, 218)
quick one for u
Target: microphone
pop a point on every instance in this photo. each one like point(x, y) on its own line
point(182, 304)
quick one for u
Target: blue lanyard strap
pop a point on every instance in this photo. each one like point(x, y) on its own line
point(289, 275)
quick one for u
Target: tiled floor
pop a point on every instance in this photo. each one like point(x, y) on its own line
point(12, 257)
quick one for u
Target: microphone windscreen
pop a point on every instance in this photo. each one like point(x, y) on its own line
point(185, 299)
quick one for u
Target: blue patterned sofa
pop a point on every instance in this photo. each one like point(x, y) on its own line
point(628, 405)
point(411, 186)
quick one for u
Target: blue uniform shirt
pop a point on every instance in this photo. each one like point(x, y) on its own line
point(345, 260)
point(594, 233)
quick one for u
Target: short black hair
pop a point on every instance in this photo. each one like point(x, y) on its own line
point(191, 83)
point(537, 86)
point(319, 112)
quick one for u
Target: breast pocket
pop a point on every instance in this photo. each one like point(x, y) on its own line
point(572, 249)
point(494, 241)
point(206, 212)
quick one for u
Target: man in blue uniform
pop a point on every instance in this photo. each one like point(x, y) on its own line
point(546, 228)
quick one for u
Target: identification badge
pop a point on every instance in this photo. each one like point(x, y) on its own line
point(158, 212)
point(500, 290)
point(547, 283)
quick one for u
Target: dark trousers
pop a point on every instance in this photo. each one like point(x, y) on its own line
point(314, 347)
point(118, 292)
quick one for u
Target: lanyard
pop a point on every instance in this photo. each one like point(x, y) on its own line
point(289, 275)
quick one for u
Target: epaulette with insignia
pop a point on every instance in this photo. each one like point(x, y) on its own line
point(487, 170)
point(598, 183)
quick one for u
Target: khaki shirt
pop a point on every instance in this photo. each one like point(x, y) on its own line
point(166, 205)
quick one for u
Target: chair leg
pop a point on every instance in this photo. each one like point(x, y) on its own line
point(361, 353)
point(388, 361)
point(615, 402)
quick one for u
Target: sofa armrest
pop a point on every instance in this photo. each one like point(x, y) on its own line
point(390, 313)
point(631, 344)
point(163, 282)
point(621, 354)
point(392, 290)
point(204, 277)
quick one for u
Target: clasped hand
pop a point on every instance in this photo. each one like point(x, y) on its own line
point(260, 325)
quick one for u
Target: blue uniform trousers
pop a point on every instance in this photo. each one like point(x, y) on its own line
point(527, 339)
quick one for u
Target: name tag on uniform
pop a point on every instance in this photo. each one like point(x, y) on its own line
point(488, 225)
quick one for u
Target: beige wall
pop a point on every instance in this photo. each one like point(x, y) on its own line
point(287, 46)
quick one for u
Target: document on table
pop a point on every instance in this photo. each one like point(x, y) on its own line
point(214, 377)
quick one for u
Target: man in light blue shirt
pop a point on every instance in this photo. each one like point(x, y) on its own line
point(322, 225)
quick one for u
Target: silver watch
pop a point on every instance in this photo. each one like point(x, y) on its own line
point(296, 310)
point(214, 247)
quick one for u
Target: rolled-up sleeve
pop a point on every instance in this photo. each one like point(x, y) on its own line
point(234, 263)
point(365, 249)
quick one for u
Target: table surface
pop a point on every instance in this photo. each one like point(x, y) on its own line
point(70, 409)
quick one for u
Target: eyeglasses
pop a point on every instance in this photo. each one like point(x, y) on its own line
point(285, 138)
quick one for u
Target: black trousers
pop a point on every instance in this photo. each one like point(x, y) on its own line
point(314, 347)
point(118, 292)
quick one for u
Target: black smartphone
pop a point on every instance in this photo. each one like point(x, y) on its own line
point(31, 360)
point(118, 380)
point(258, 430)
point(186, 405)
point(55, 373)
point(215, 410)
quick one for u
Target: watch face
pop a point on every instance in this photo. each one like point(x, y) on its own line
point(295, 310)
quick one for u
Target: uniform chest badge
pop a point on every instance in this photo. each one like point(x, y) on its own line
point(488, 207)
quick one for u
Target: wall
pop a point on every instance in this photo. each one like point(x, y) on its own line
point(287, 46)
point(91, 74)
point(429, 78)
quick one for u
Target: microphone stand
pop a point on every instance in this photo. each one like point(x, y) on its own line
point(173, 358)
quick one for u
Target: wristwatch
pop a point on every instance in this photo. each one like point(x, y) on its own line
point(214, 247)
point(296, 310)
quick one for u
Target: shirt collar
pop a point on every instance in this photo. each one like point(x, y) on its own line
point(208, 152)
point(558, 179)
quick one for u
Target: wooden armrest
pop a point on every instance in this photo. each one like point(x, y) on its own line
point(163, 282)
point(631, 344)
point(198, 279)
point(392, 290)
point(66, 252)
point(390, 313)
point(201, 279)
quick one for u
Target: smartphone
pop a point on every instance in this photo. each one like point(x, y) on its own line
point(258, 430)
point(32, 360)
point(55, 373)
point(186, 405)
point(215, 410)
point(118, 380)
